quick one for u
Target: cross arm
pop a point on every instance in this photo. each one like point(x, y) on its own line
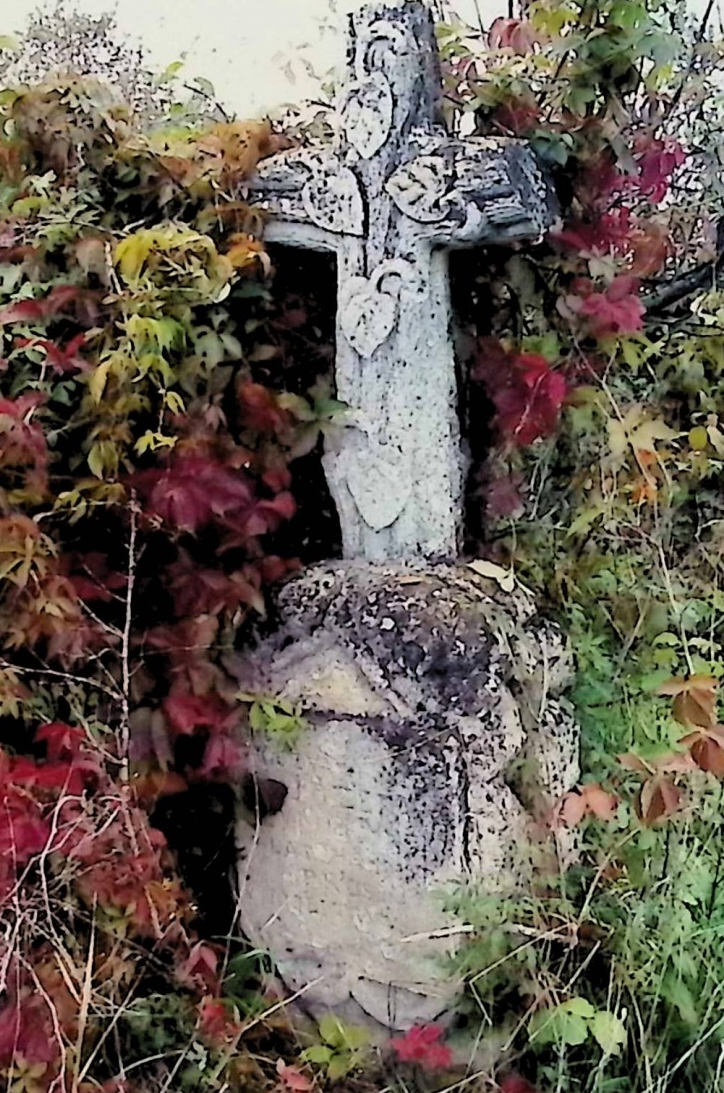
point(309, 187)
point(474, 191)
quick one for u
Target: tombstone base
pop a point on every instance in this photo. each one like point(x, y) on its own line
point(423, 686)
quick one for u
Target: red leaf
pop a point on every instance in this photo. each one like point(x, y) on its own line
point(91, 578)
point(58, 299)
point(527, 393)
point(660, 799)
point(706, 746)
point(514, 1083)
point(503, 495)
point(26, 1031)
point(62, 359)
point(616, 310)
point(610, 232)
point(22, 441)
point(519, 35)
point(656, 161)
point(61, 741)
point(694, 699)
point(200, 971)
point(421, 1045)
point(24, 311)
point(224, 760)
point(517, 116)
point(572, 809)
point(199, 591)
point(709, 755)
point(259, 409)
point(216, 1022)
point(292, 1078)
point(588, 800)
point(188, 712)
point(193, 491)
point(23, 831)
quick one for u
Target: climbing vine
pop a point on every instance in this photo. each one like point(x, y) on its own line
point(158, 397)
point(144, 474)
point(599, 352)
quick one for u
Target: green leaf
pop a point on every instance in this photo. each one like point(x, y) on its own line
point(318, 1054)
point(331, 1030)
point(631, 352)
point(8, 41)
point(204, 87)
point(339, 1067)
point(677, 992)
point(609, 1031)
point(169, 73)
point(356, 1037)
point(567, 1023)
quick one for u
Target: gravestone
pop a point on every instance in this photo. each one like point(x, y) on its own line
point(389, 202)
point(424, 682)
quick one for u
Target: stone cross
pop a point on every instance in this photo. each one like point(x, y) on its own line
point(389, 199)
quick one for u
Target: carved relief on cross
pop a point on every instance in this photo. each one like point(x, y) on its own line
point(393, 195)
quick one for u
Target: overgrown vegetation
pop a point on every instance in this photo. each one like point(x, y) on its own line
point(160, 398)
point(604, 493)
point(144, 472)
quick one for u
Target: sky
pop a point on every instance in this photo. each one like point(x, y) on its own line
point(247, 48)
point(253, 51)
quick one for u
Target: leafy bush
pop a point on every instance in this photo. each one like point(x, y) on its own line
point(144, 472)
point(603, 493)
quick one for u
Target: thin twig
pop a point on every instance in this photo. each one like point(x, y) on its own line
point(126, 644)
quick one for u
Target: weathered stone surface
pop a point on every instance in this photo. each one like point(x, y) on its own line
point(393, 195)
point(423, 685)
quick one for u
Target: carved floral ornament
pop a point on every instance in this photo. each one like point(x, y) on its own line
point(386, 67)
point(370, 306)
point(430, 189)
point(332, 197)
point(389, 51)
point(367, 112)
point(378, 476)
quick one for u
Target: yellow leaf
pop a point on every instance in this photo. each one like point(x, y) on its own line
point(698, 438)
point(493, 572)
point(644, 438)
point(174, 402)
point(98, 380)
point(95, 460)
point(638, 432)
point(130, 255)
point(143, 443)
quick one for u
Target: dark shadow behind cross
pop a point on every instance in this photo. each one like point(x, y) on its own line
point(392, 196)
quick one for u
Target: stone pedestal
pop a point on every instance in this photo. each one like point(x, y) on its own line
point(423, 686)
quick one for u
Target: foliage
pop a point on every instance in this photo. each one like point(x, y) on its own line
point(421, 1046)
point(63, 40)
point(145, 472)
point(275, 717)
point(599, 359)
point(343, 1048)
point(148, 474)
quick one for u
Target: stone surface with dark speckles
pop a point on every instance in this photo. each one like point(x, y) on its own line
point(423, 685)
